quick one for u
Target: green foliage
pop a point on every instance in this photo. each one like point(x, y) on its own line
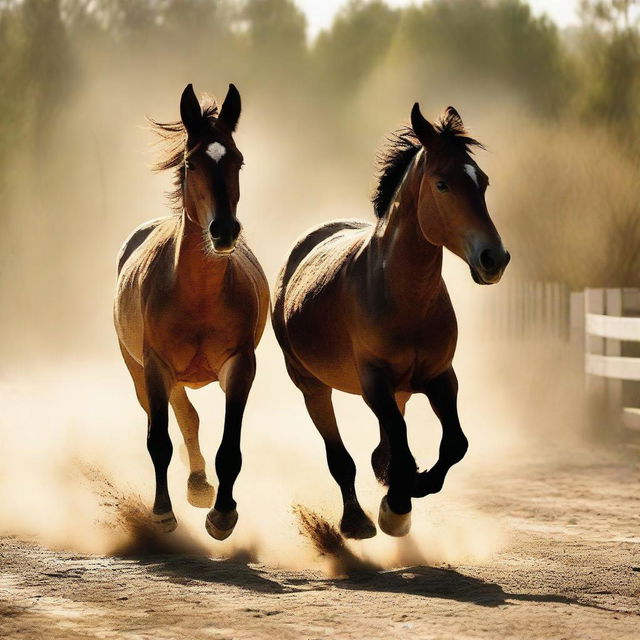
point(499, 42)
point(609, 59)
point(274, 35)
point(357, 43)
point(493, 52)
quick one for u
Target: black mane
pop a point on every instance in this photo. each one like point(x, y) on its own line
point(402, 147)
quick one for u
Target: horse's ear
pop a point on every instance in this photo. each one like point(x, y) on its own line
point(190, 110)
point(424, 130)
point(453, 119)
point(230, 111)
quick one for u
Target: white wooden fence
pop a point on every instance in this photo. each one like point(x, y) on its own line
point(602, 325)
point(612, 354)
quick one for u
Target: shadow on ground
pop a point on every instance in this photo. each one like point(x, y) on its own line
point(448, 584)
point(189, 569)
point(428, 582)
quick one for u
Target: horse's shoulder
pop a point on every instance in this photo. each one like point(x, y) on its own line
point(246, 260)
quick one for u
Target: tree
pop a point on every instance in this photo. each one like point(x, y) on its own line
point(356, 43)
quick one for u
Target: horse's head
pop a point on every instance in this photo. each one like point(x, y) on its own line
point(211, 187)
point(452, 211)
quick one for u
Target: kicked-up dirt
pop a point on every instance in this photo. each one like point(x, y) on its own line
point(571, 569)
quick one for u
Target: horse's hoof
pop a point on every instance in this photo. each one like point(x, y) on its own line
point(357, 525)
point(393, 524)
point(221, 525)
point(166, 521)
point(199, 492)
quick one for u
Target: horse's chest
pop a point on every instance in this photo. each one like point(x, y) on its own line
point(415, 350)
point(196, 339)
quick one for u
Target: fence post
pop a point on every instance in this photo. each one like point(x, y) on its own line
point(596, 386)
point(613, 300)
point(577, 334)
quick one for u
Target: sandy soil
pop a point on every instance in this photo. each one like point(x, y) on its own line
point(571, 570)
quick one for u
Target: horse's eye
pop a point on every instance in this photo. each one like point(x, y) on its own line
point(191, 166)
point(442, 186)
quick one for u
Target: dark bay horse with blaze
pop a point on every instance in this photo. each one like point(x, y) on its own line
point(192, 303)
point(363, 308)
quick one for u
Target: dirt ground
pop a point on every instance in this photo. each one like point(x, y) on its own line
point(570, 570)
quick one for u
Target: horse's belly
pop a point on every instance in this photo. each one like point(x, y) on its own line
point(336, 372)
point(333, 352)
point(322, 345)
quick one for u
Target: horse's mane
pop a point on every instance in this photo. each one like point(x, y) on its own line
point(173, 138)
point(403, 145)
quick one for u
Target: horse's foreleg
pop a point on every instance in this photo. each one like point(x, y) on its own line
point(199, 492)
point(381, 454)
point(395, 509)
point(442, 393)
point(354, 523)
point(236, 378)
point(158, 441)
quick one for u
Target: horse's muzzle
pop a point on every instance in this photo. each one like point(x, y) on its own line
point(487, 264)
point(224, 235)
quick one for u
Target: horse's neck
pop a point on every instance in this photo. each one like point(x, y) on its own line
point(196, 267)
point(412, 266)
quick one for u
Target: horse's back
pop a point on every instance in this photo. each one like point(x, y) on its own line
point(310, 240)
point(304, 248)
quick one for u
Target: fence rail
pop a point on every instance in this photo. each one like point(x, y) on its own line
point(609, 329)
point(616, 367)
point(601, 325)
point(614, 327)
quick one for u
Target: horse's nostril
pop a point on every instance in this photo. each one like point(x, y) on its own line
point(487, 261)
point(214, 230)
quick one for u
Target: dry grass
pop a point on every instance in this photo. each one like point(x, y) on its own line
point(570, 202)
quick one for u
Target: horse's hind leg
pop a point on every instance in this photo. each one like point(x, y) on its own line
point(199, 492)
point(382, 453)
point(317, 396)
point(157, 434)
point(442, 393)
point(158, 441)
point(236, 378)
point(137, 375)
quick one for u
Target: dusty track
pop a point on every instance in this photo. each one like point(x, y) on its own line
point(571, 570)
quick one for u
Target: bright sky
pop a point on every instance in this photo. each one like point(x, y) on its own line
point(320, 12)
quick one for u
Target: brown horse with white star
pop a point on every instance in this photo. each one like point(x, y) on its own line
point(192, 303)
point(363, 308)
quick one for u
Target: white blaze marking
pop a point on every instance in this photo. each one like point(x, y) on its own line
point(470, 170)
point(215, 150)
